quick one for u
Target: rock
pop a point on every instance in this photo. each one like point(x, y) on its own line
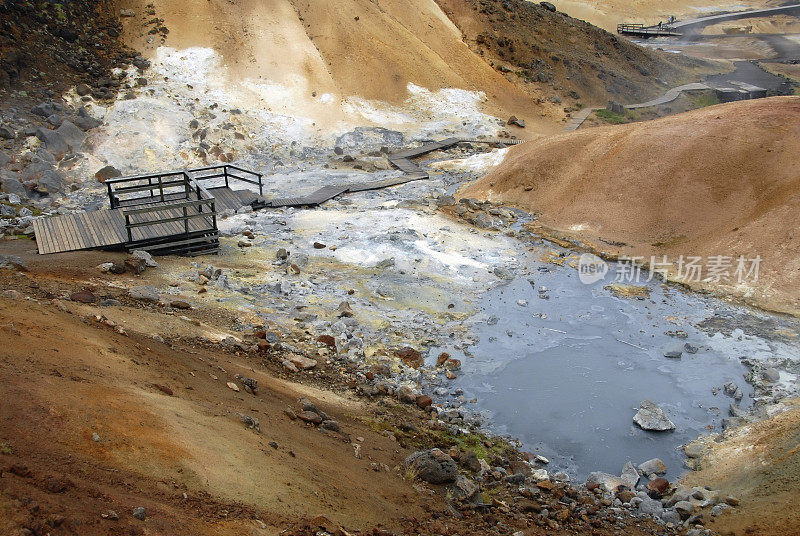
point(331, 425)
point(652, 417)
point(72, 135)
point(670, 516)
point(674, 351)
point(302, 363)
point(4, 159)
point(433, 466)
point(406, 395)
point(658, 486)
point(319, 245)
point(45, 109)
point(289, 365)
point(83, 296)
point(684, 509)
point(82, 90)
point(465, 490)
point(731, 500)
point(144, 293)
point(719, 509)
point(694, 450)
point(7, 133)
point(107, 172)
point(424, 401)
point(310, 416)
point(410, 357)
point(13, 262)
point(771, 375)
point(630, 475)
point(84, 121)
point(327, 340)
point(608, 481)
point(51, 182)
point(53, 142)
point(96, 437)
point(127, 13)
point(139, 513)
point(548, 6)
point(9, 183)
point(650, 507)
point(514, 120)
point(652, 466)
point(180, 304)
point(232, 386)
point(111, 514)
point(344, 310)
point(135, 265)
point(146, 257)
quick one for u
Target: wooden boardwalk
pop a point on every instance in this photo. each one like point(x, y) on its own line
point(401, 160)
point(171, 212)
point(106, 228)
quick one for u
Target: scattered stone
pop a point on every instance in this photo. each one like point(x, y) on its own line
point(111, 514)
point(146, 257)
point(610, 482)
point(180, 304)
point(140, 513)
point(514, 120)
point(674, 351)
point(410, 357)
point(107, 172)
point(771, 375)
point(654, 466)
point(650, 507)
point(406, 395)
point(424, 401)
point(433, 466)
point(658, 486)
point(329, 424)
point(694, 449)
point(144, 293)
point(84, 296)
point(319, 245)
point(465, 489)
point(310, 416)
point(630, 475)
point(548, 6)
point(233, 386)
point(327, 340)
point(13, 262)
point(652, 417)
point(135, 265)
point(54, 142)
point(95, 437)
point(684, 508)
point(731, 500)
point(302, 363)
point(127, 13)
point(344, 310)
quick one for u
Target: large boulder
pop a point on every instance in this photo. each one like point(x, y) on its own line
point(54, 142)
point(84, 121)
point(72, 135)
point(107, 172)
point(144, 293)
point(433, 466)
point(10, 184)
point(652, 417)
point(51, 182)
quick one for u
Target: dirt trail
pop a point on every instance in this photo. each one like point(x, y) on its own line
point(721, 180)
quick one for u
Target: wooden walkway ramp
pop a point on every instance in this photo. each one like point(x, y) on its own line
point(401, 160)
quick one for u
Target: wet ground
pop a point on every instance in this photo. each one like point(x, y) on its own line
point(565, 369)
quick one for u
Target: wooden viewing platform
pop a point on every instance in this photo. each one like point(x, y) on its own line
point(163, 213)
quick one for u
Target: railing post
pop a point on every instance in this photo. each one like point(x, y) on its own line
point(161, 188)
point(225, 172)
point(260, 185)
point(185, 221)
point(214, 215)
point(128, 227)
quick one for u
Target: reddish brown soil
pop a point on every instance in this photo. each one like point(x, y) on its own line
point(168, 425)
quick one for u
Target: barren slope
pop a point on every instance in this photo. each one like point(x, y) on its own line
point(723, 180)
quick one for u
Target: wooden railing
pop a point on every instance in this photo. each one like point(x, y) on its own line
point(172, 197)
point(228, 172)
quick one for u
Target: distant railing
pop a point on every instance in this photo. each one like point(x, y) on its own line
point(228, 172)
point(173, 197)
point(621, 28)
